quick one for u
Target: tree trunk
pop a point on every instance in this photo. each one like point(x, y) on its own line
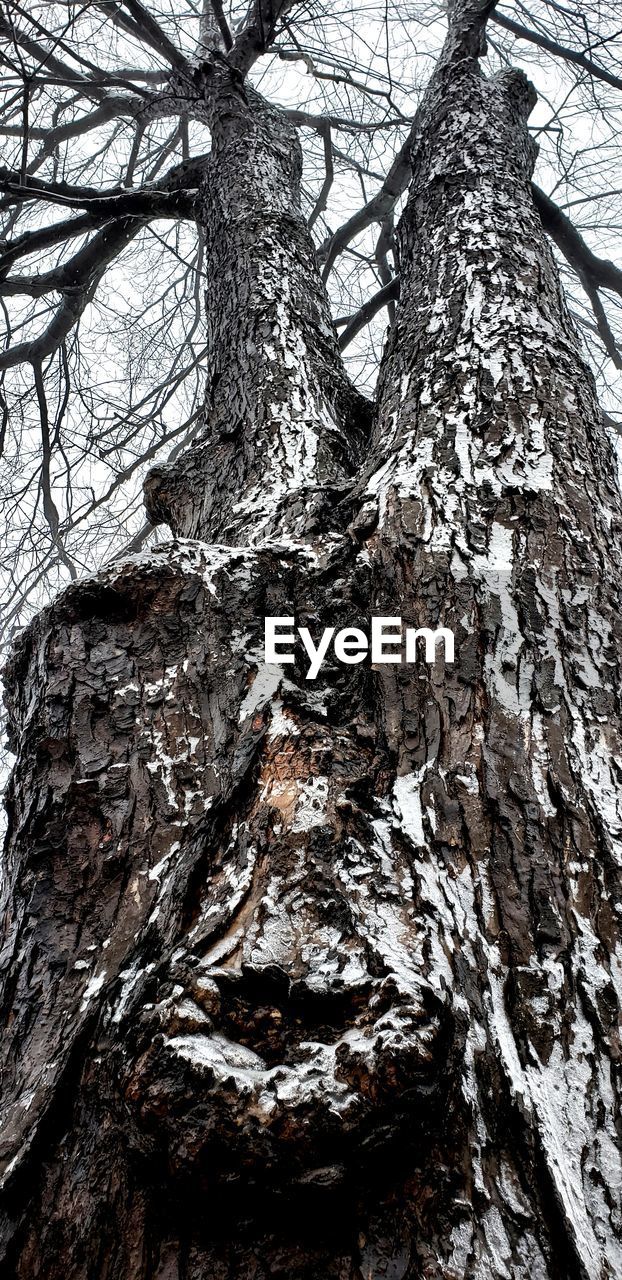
point(284, 427)
point(318, 979)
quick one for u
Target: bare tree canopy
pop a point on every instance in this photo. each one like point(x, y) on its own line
point(311, 975)
point(104, 365)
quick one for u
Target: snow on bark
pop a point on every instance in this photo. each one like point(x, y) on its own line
point(282, 421)
point(495, 489)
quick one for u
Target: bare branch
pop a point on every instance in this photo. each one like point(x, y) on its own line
point(559, 50)
point(62, 73)
point(388, 294)
point(384, 244)
point(322, 200)
point(214, 28)
point(151, 201)
point(258, 32)
point(376, 209)
point(602, 322)
point(44, 238)
point(602, 273)
point(110, 109)
point(77, 280)
point(144, 26)
point(49, 506)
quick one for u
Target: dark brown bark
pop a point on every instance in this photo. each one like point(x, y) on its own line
point(284, 427)
point(320, 979)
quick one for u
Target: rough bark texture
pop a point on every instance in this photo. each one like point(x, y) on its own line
point(284, 427)
point(320, 979)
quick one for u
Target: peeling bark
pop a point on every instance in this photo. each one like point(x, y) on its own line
point(284, 426)
point(322, 979)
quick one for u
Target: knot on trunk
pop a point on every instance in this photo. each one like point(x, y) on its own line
point(158, 494)
point(519, 90)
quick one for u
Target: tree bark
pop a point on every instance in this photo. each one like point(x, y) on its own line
point(320, 979)
point(284, 428)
